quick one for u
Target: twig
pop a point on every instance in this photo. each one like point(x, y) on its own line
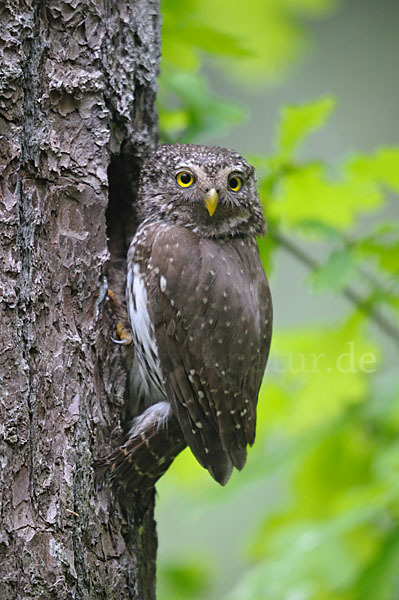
point(373, 313)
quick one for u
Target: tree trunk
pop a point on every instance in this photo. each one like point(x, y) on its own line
point(77, 93)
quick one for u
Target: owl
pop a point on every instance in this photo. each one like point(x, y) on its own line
point(200, 312)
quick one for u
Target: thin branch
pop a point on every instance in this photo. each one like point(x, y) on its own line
point(373, 313)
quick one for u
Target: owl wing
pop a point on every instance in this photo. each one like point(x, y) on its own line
point(212, 314)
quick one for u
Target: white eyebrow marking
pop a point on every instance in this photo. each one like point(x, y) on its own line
point(194, 168)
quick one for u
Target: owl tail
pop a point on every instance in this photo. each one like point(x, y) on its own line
point(154, 440)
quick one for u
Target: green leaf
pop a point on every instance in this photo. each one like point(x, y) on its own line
point(324, 369)
point(336, 272)
point(380, 578)
point(383, 245)
point(256, 43)
point(213, 40)
point(382, 166)
point(298, 122)
point(307, 194)
point(184, 580)
point(200, 115)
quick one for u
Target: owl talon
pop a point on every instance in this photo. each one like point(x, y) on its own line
point(123, 333)
point(121, 342)
point(125, 338)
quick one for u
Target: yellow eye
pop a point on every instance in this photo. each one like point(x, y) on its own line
point(184, 179)
point(235, 183)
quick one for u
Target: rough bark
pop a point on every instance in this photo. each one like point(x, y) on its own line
point(77, 95)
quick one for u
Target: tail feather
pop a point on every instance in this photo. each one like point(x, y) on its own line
point(154, 440)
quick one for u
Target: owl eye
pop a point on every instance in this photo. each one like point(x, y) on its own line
point(184, 179)
point(235, 183)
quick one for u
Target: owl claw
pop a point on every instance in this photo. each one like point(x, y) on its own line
point(125, 338)
point(123, 333)
point(121, 342)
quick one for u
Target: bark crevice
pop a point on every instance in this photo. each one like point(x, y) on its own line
point(120, 216)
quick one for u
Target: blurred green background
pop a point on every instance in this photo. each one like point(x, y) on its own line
point(308, 90)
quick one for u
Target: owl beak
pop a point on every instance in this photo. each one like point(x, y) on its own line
point(211, 200)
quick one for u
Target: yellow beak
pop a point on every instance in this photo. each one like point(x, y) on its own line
point(211, 201)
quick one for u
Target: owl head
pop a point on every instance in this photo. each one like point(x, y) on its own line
point(210, 190)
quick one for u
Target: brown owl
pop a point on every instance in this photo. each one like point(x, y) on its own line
point(200, 311)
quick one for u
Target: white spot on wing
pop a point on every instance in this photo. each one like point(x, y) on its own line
point(162, 283)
